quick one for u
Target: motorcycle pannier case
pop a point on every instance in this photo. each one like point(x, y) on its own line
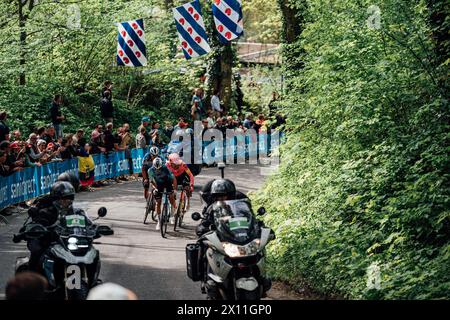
point(192, 261)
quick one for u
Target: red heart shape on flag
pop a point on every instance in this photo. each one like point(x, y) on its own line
point(135, 26)
point(124, 34)
point(228, 35)
point(138, 54)
point(182, 21)
point(220, 28)
point(121, 53)
point(140, 33)
point(196, 16)
point(189, 30)
point(198, 39)
point(217, 2)
point(190, 51)
point(228, 11)
point(130, 43)
point(184, 44)
point(191, 10)
point(126, 60)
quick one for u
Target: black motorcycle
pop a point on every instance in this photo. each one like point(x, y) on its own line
point(229, 260)
point(70, 263)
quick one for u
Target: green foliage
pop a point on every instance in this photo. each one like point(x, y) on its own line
point(62, 56)
point(364, 175)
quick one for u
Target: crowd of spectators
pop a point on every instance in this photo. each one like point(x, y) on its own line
point(49, 144)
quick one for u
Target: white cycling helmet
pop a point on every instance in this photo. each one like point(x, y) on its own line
point(154, 151)
point(157, 163)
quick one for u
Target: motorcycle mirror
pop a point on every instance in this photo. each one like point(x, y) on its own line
point(102, 212)
point(196, 216)
point(105, 231)
point(261, 211)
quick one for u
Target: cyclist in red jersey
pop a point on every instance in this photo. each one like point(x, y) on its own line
point(182, 173)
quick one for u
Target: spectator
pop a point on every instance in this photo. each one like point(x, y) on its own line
point(220, 126)
point(210, 119)
point(111, 291)
point(86, 167)
point(126, 137)
point(67, 151)
point(168, 129)
point(109, 139)
point(230, 123)
point(258, 123)
point(181, 124)
point(4, 129)
point(279, 121)
point(155, 134)
point(107, 87)
point(4, 169)
point(33, 150)
point(79, 140)
point(11, 160)
point(17, 135)
point(26, 286)
point(97, 143)
point(106, 107)
point(148, 129)
point(98, 129)
point(205, 126)
point(56, 115)
point(216, 105)
point(141, 141)
point(49, 135)
point(272, 103)
point(198, 111)
point(248, 122)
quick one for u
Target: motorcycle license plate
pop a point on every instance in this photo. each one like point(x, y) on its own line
point(75, 221)
point(238, 223)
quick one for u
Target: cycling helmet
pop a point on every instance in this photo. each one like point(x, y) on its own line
point(154, 151)
point(157, 163)
point(71, 178)
point(174, 158)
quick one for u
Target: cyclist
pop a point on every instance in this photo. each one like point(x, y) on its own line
point(182, 173)
point(161, 178)
point(146, 165)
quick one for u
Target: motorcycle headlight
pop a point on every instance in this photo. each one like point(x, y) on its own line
point(236, 251)
point(72, 243)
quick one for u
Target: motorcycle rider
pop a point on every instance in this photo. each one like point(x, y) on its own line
point(146, 165)
point(216, 190)
point(62, 196)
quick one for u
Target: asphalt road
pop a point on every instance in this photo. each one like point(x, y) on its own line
point(136, 256)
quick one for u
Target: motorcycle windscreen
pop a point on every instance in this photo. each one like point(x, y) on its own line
point(234, 219)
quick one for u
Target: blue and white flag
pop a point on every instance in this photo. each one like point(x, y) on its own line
point(191, 30)
point(229, 19)
point(131, 50)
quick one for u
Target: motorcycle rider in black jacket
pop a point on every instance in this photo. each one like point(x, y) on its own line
point(47, 209)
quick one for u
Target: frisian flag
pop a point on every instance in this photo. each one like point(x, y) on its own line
point(191, 30)
point(228, 19)
point(131, 50)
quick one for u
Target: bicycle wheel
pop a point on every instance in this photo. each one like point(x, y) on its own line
point(147, 209)
point(182, 207)
point(153, 210)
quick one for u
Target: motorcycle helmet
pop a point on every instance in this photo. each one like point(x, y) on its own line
point(154, 151)
point(223, 189)
point(71, 178)
point(157, 163)
point(205, 193)
point(63, 194)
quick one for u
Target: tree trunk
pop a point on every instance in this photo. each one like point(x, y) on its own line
point(23, 42)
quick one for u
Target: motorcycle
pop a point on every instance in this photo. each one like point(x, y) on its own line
point(70, 263)
point(229, 261)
